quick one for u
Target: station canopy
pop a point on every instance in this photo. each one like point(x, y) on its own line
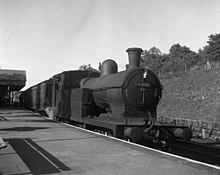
point(13, 80)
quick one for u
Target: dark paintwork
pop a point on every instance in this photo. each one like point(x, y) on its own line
point(63, 84)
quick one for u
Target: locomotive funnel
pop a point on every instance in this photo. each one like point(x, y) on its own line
point(109, 67)
point(134, 56)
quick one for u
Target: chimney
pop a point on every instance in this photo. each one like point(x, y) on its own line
point(134, 57)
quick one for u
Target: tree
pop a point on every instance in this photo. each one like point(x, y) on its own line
point(181, 58)
point(212, 50)
point(155, 51)
point(83, 67)
point(152, 59)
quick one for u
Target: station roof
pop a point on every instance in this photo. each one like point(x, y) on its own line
point(14, 79)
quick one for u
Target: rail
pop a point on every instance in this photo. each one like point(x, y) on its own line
point(204, 152)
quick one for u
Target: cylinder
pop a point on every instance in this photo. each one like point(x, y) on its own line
point(134, 57)
point(109, 67)
point(135, 134)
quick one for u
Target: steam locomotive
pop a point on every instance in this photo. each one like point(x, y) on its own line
point(123, 104)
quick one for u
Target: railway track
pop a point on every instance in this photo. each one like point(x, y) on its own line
point(204, 152)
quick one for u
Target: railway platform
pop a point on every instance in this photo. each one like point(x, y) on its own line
point(37, 145)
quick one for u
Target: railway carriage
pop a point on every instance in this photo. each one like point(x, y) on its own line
point(39, 97)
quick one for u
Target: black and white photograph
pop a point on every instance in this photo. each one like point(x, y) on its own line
point(109, 87)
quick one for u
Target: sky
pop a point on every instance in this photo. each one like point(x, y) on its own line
point(47, 37)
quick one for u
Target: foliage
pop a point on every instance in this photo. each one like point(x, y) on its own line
point(178, 60)
point(83, 67)
point(181, 59)
point(212, 50)
point(152, 59)
point(192, 95)
point(192, 92)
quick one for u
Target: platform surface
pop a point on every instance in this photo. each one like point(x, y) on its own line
point(37, 145)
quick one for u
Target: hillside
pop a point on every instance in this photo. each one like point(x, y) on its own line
point(194, 95)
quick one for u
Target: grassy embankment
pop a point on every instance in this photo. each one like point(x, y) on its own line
point(193, 95)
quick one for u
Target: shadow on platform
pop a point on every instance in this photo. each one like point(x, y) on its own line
point(37, 159)
point(34, 120)
point(42, 121)
point(26, 128)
